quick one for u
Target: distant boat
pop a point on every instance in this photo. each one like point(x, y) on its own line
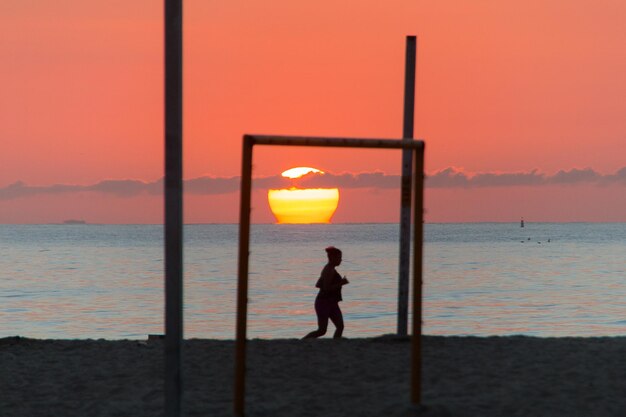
point(74, 222)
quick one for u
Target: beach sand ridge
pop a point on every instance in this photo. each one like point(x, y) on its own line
point(462, 376)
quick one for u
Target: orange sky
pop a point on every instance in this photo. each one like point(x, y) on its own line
point(503, 88)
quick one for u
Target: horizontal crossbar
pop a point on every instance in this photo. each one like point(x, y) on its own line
point(332, 142)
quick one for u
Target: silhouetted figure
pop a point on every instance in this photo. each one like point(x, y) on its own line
point(327, 300)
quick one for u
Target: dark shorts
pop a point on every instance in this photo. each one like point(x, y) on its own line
point(327, 309)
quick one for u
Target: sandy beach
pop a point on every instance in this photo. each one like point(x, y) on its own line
point(463, 376)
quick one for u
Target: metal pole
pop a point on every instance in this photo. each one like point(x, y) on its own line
point(242, 286)
point(405, 198)
point(418, 241)
point(173, 207)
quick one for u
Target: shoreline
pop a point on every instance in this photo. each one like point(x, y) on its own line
point(462, 376)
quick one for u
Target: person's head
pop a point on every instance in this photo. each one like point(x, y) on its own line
point(334, 255)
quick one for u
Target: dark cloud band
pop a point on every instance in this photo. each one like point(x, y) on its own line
point(445, 178)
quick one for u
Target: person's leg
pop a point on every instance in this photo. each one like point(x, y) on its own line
point(322, 311)
point(337, 318)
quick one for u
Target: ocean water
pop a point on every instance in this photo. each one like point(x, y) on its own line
point(106, 281)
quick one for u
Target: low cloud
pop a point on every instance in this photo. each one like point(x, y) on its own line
point(119, 188)
point(126, 188)
point(457, 178)
point(446, 178)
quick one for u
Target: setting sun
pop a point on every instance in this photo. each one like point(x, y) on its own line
point(300, 171)
point(303, 205)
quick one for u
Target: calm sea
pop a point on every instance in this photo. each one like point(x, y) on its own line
point(106, 281)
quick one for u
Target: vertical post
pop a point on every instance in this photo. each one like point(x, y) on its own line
point(418, 242)
point(173, 207)
point(242, 285)
point(405, 199)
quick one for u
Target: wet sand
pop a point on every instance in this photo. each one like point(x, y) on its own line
point(463, 376)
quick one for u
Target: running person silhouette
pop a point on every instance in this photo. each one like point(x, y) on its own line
point(327, 300)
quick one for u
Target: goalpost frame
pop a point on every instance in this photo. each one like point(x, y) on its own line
point(249, 141)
